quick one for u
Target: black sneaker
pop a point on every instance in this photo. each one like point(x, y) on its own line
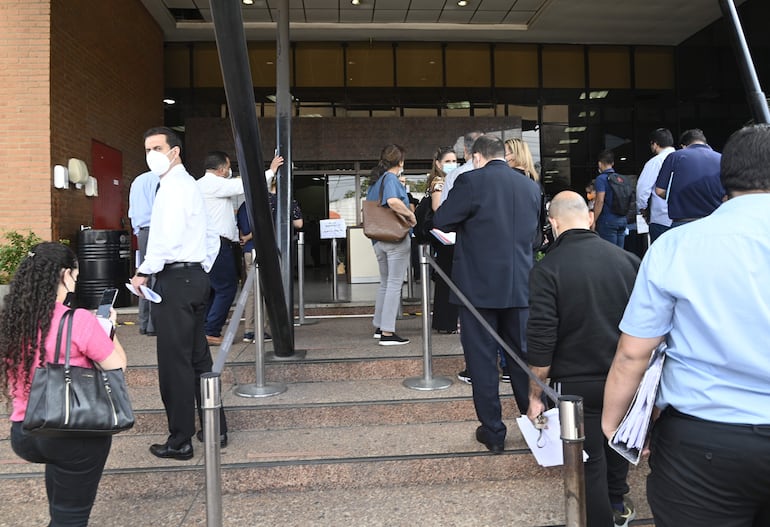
point(505, 377)
point(248, 336)
point(392, 340)
point(464, 376)
point(377, 333)
point(267, 337)
point(622, 519)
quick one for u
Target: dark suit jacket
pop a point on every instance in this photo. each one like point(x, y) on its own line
point(495, 212)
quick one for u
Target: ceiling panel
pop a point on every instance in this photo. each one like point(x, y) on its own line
point(630, 22)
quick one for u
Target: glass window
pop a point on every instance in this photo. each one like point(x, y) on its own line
point(419, 65)
point(609, 67)
point(516, 66)
point(318, 65)
point(177, 66)
point(654, 68)
point(468, 65)
point(262, 61)
point(206, 72)
point(563, 67)
point(370, 64)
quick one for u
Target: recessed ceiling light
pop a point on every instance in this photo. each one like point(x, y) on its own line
point(169, 101)
point(355, 2)
point(247, 2)
point(462, 3)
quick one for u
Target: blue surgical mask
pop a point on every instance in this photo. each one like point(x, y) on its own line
point(448, 167)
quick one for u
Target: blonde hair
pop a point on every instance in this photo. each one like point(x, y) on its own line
point(521, 157)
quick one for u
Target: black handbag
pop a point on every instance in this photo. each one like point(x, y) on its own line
point(382, 223)
point(71, 400)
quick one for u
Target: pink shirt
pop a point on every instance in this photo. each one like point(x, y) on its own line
point(89, 343)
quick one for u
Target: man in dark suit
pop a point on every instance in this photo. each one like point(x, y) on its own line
point(495, 212)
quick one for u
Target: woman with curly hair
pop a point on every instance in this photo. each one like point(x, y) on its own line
point(29, 321)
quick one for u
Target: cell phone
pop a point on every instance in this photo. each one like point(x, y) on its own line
point(106, 302)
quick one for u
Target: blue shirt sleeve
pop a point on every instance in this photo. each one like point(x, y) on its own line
point(243, 220)
point(664, 175)
point(393, 189)
point(601, 183)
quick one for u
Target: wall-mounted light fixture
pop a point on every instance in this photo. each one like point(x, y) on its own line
point(60, 177)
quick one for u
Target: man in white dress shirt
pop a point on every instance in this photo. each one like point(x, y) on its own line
point(180, 251)
point(650, 205)
point(219, 191)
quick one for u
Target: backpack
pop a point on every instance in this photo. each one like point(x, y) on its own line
point(622, 193)
point(424, 215)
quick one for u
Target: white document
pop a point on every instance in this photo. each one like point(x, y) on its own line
point(641, 225)
point(447, 238)
point(148, 293)
point(547, 447)
point(628, 440)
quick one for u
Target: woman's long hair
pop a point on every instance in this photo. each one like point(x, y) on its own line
point(26, 315)
point(522, 158)
point(392, 155)
point(435, 171)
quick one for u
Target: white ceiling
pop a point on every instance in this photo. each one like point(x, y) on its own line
point(641, 22)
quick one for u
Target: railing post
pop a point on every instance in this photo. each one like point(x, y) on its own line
point(260, 388)
point(427, 381)
point(211, 404)
point(334, 270)
point(573, 437)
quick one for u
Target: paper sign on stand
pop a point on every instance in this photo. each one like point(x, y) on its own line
point(334, 228)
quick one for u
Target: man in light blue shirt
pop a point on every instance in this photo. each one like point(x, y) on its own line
point(140, 200)
point(450, 179)
point(705, 288)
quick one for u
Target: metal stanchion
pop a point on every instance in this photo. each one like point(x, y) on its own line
point(427, 381)
point(211, 404)
point(260, 388)
point(301, 320)
point(573, 437)
point(334, 270)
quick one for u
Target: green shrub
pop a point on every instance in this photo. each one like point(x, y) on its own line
point(13, 251)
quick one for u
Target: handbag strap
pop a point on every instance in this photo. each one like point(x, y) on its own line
point(65, 318)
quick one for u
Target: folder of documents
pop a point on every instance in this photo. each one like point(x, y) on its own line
point(628, 440)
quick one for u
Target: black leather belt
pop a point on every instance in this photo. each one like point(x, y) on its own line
point(144, 228)
point(182, 265)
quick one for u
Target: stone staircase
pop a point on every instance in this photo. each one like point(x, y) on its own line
point(346, 444)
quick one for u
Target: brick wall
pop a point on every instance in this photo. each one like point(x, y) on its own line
point(106, 85)
point(25, 196)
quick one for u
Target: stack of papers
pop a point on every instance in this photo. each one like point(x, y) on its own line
point(447, 238)
point(628, 440)
point(148, 293)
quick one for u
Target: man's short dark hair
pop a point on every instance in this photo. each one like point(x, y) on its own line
point(691, 136)
point(489, 147)
point(746, 160)
point(606, 157)
point(215, 160)
point(171, 138)
point(662, 137)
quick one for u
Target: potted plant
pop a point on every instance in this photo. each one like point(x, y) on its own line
point(12, 252)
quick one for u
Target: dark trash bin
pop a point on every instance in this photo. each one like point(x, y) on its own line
point(104, 259)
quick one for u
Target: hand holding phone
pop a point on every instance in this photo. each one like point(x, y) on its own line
point(106, 302)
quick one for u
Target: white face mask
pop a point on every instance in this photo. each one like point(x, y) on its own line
point(448, 167)
point(229, 173)
point(158, 162)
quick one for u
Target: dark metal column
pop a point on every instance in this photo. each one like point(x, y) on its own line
point(239, 89)
point(757, 100)
point(283, 136)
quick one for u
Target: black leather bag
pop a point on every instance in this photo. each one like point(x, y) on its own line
point(381, 223)
point(71, 400)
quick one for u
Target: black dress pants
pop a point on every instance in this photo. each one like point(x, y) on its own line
point(183, 353)
point(445, 314)
point(707, 474)
point(480, 350)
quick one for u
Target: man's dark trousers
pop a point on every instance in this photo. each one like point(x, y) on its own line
point(183, 353)
point(480, 350)
point(224, 284)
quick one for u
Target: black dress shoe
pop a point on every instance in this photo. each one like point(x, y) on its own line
point(495, 448)
point(183, 453)
point(222, 438)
